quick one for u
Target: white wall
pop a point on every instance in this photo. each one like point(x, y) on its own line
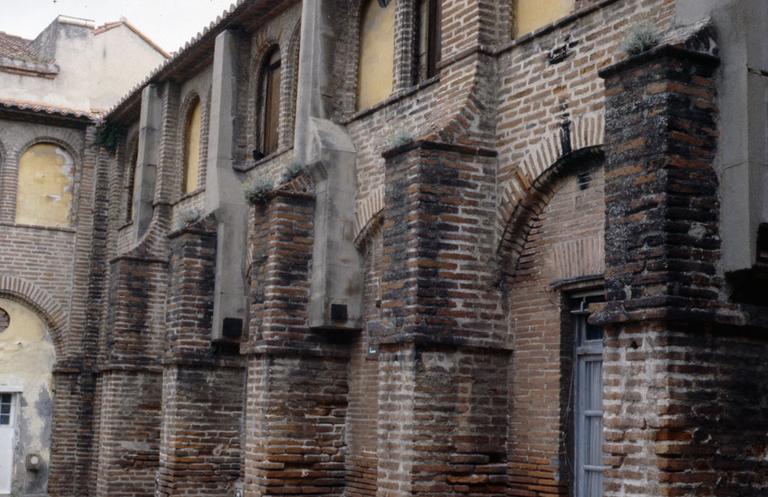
point(95, 70)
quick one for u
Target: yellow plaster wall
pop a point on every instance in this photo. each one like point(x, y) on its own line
point(45, 186)
point(377, 54)
point(26, 363)
point(529, 15)
point(192, 147)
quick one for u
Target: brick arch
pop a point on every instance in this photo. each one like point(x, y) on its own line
point(52, 313)
point(571, 253)
point(368, 214)
point(582, 133)
point(50, 139)
point(290, 90)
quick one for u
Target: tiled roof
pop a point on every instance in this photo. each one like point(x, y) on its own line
point(15, 47)
point(19, 105)
point(207, 32)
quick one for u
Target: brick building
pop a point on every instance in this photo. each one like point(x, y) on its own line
point(52, 91)
point(437, 248)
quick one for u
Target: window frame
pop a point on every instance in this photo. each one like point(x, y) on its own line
point(11, 409)
point(584, 350)
point(267, 92)
point(430, 44)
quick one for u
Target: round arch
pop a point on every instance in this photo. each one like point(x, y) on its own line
point(21, 290)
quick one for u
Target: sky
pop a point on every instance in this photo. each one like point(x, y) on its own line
point(169, 23)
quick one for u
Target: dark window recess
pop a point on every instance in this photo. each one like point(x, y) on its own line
point(561, 52)
point(338, 312)
point(270, 103)
point(130, 184)
point(428, 42)
point(584, 179)
point(762, 244)
point(5, 409)
point(232, 329)
point(5, 320)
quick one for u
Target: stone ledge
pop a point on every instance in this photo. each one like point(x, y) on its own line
point(441, 146)
point(662, 51)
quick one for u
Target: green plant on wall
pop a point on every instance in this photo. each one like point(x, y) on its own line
point(109, 135)
point(258, 190)
point(640, 38)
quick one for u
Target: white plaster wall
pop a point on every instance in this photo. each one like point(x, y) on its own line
point(95, 70)
point(26, 363)
point(121, 60)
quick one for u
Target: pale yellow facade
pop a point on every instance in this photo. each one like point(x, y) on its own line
point(529, 15)
point(377, 54)
point(27, 356)
point(45, 186)
point(192, 147)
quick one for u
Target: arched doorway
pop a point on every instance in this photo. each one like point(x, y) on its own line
point(26, 399)
point(554, 263)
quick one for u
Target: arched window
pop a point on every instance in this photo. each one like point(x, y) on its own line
point(130, 184)
point(377, 53)
point(529, 15)
point(45, 186)
point(192, 146)
point(428, 46)
point(270, 102)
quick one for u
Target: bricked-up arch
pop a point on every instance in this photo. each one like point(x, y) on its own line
point(574, 258)
point(191, 144)
point(27, 293)
point(375, 79)
point(582, 133)
point(45, 184)
point(368, 215)
point(530, 15)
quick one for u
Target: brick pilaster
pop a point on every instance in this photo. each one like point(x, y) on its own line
point(296, 395)
point(202, 385)
point(676, 371)
point(442, 364)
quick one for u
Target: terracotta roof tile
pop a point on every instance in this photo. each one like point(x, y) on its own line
point(46, 109)
point(15, 47)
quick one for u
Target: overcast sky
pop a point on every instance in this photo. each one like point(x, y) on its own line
point(170, 23)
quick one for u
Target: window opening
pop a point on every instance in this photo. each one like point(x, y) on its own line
point(5, 408)
point(428, 48)
point(5, 320)
point(131, 183)
point(270, 103)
